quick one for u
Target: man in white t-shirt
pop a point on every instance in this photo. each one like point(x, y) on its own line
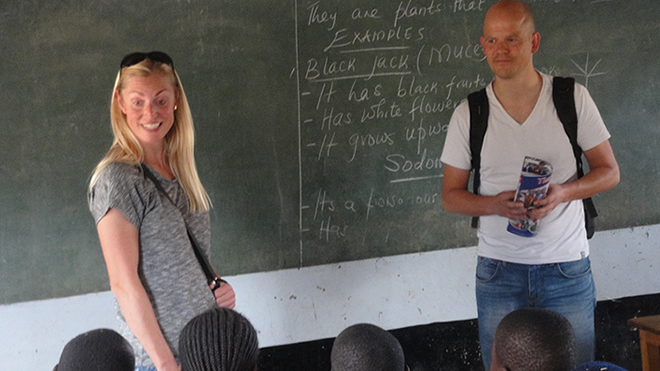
point(552, 269)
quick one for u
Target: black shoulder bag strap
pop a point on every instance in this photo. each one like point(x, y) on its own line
point(478, 102)
point(209, 272)
point(563, 96)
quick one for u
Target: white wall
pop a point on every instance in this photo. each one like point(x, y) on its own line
point(296, 305)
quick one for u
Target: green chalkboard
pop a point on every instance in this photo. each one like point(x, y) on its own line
point(319, 123)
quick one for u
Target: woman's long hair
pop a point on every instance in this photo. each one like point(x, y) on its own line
point(179, 142)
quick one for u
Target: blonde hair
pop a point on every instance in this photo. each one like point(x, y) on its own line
point(179, 142)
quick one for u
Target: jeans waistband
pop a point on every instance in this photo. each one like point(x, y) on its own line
point(521, 265)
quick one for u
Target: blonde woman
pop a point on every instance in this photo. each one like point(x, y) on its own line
point(153, 272)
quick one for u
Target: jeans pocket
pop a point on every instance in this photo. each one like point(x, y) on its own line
point(487, 269)
point(574, 269)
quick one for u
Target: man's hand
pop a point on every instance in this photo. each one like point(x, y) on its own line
point(552, 199)
point(504, 205)
point(603, 174)
point(457, 199)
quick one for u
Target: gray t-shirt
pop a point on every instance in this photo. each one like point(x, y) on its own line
point(168, 268)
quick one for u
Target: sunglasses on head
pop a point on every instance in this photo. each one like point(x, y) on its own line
point(135, 58)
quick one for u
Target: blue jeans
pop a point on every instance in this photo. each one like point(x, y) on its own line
point(143, 368)
point(566, 288)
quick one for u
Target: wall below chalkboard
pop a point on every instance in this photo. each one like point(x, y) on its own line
point(301, 305)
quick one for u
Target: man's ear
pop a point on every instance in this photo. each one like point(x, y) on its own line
point(536, 41)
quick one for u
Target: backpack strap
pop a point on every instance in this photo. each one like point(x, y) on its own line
point(563, 89)
point(563, 97)
point(478, 102)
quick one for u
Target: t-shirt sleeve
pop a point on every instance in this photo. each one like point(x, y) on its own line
point(591, 128)
point(121, 187)
point(456, 151)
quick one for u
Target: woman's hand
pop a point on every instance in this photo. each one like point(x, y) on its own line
point(169, 366)
point(224, 295)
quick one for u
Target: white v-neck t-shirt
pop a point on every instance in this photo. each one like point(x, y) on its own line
point(561, 235)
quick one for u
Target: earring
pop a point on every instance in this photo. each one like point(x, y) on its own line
point(175, 107)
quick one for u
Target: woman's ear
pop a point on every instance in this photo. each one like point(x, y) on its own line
point(119, 102)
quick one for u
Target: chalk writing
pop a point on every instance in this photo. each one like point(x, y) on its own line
point(358, 141)
point(587, 71)
point(344, 37)
point(332, 119)
point(420, 133)
point(407, 10)
point(378, 83)
point(408, 87)
point(423, 106)
point(375, 105)
point(328, 68)
point(396, 163)
point(321, 17)
point(398, 200)
point(328, 230)
point(365, 13)
point(447, 52)
point(323, 203)
point(359, 95)
point(469, 5)
point(381, 110)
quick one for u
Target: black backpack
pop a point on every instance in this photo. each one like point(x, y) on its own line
point(563, 97)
